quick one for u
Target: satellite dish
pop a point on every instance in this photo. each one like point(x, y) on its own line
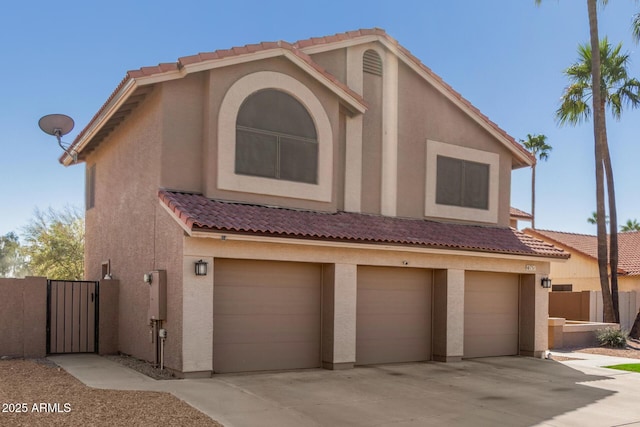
point(58, 125)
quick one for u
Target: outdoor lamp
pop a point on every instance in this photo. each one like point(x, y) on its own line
point(545, 282)
point(201, 268)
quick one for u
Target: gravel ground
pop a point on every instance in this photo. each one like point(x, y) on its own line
point(141, 366)
point(632, 351)
point(46, 395)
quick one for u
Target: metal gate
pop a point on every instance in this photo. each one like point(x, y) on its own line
point(72, 316)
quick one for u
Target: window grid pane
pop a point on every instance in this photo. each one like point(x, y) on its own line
point(462, 183)
point(276, 138)
point(256, 154)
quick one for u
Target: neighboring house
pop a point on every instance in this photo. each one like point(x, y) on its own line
point(580, 272)
point(518, 215)
point(351, 206)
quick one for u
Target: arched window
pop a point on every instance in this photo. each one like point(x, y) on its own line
point(276, 138)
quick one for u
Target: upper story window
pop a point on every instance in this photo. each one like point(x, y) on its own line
point(462, 183)
point(276, 138)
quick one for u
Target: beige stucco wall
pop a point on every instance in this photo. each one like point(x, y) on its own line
point(23, 317)
point(339, 290)
point(190, 145)
point(534, 315)
point(129, 228)
point(182, 148)
point(108, 317)
point(579, 270)
point(425, 114)
point(219, 82)
point(448, 315)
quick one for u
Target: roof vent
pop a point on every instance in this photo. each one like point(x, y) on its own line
point(371, 63)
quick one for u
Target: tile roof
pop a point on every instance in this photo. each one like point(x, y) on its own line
point(586, 244)
point(314, 41)
point(297, 49)
point(517, 213)
point(200, 213)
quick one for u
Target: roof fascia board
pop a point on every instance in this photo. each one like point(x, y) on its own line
point(116, 102)
point(378, 247)
point(177, 219)
point(272, 53)
point(325, 47)
point(456, 101)
point(430, 79)
point(353, 102)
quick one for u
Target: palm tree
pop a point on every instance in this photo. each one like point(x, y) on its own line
point(617, 90)
point(537, 145)
point(635, 29)
point(599, 127)
point(593, 219)
point(630, 225)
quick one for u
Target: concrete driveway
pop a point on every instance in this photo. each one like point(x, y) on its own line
point(502, 391)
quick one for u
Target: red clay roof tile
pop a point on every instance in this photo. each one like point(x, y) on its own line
point(517, 213)
point(628, 246)
point(200, 213)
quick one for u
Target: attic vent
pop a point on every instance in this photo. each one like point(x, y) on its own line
point(371, 63)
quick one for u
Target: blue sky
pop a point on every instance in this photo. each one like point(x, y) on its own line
point(504, 56)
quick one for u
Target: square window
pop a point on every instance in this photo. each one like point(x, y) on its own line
point(462, 183)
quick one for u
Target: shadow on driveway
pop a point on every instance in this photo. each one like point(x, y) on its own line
point(509, 391)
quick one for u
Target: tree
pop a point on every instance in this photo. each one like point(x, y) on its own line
point(537, 145)
point(600, 146)
point(593, 219)
point(630, 225)
point(54, 244)
point(617, 90)
point(12, 263)
point(635, 27)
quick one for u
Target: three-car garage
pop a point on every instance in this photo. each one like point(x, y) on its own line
point(268, 315)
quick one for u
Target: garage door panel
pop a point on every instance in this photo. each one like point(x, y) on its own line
point(491, 317)
point(393, 321)
point(390, 301)
point(263, 300)
point(373, 352)
point(245, 357)
point(239, 329)
point(266, 315)
point(397, 326)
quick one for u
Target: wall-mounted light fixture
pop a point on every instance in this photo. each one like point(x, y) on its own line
point(545, 282)
point(148, 278)
point(201, 268)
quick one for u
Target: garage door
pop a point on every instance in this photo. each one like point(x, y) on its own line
point(490, 314)
point(393, 320)
point(266, 315)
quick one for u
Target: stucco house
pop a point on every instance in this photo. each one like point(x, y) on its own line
point(519, 215)
point(350, 206)
point(580, 274)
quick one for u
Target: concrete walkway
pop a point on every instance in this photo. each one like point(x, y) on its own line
point(502, 391)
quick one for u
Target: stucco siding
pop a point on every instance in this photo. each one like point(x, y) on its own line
point(580, 271)
point(220, 81)
point(128, 228)
point(182, 150)
point(334, 61)
point(425, 114)
point(372, 144)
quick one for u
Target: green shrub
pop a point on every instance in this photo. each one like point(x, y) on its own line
point(611, 337)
